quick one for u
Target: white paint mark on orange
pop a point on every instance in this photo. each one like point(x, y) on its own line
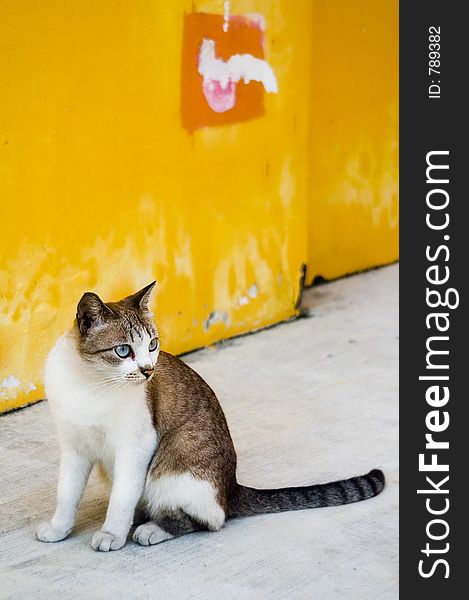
point(221, 77)
point(226, 15)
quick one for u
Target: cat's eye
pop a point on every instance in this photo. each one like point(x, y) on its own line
point(123, 351)
point(153, 344)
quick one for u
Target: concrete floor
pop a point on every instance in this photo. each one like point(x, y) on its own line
point(308, 401)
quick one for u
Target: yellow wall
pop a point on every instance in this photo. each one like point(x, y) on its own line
point(353, 206)
point(103, 189)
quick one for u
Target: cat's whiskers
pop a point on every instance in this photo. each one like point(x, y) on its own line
point(107, 384)
point(103, 382)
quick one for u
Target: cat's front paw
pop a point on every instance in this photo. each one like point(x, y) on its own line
point(104, 541)
point(46, 532)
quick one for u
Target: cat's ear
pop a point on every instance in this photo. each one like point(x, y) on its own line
point(140, 299)
point(91, 312)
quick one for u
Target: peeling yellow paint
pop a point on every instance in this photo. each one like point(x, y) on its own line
point(353, 208)
point(103, 189)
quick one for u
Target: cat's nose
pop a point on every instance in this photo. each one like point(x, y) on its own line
point(147, 371)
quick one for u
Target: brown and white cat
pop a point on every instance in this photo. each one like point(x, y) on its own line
point(157, 430)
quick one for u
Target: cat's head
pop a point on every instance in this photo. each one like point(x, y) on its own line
point(119, 340)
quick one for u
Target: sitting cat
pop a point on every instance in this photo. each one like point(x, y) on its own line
point(157, 430)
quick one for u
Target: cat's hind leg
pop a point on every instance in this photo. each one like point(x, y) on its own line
point(169, 524)
point(178, 504)
point(197, 498)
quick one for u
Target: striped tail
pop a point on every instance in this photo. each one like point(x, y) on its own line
point(248, 501)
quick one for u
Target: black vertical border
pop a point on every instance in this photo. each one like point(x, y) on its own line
point(426, 125)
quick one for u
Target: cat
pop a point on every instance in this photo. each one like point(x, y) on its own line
point(157, 430)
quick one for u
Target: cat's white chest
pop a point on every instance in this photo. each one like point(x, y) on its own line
point(98, 419)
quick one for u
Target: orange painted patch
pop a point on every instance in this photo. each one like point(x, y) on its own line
point(244, 36)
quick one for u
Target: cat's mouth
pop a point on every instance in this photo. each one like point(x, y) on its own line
point(138, 379)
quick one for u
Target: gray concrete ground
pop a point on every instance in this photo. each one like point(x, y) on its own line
point(308, 401)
